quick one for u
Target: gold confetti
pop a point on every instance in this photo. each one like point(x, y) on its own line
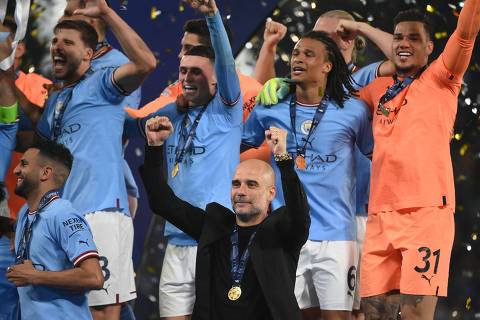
point(441, 35)
point(468, 304)
point(430, 8)
point(463, 149)
point(155, 13)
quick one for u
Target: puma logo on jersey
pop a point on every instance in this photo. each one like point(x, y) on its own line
point(85, 242)
point(106, 289)
point(428, 279)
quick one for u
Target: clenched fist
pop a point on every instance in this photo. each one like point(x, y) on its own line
point(277, 140)
point(157, 130)
point(274, 33)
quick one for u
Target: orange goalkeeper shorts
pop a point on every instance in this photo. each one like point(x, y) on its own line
point(407, 250)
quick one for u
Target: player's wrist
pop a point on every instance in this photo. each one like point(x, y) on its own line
point(155, 143)
point(362, 28)
point(33, 278)
point(212, 12)
point(282, 156)
point(270, 45)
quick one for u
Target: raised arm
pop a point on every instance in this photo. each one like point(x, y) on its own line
point(351, 29)
point(293, 228)
point(8, 97)
point(228, 84)
point(265, 66)
point(8, 133)
point(162, 200)
point(458, 50)
point(383, 40)
point(142, 61)
point(86, 276)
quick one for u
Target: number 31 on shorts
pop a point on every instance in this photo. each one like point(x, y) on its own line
point(427, 258)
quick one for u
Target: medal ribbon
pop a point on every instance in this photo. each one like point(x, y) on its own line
point(239, 265)
point(58, 114)
point(28, 227)
point(393, 91)
point(321, 108)
point(185, 142)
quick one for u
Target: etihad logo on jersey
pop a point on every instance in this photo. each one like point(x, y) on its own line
point(194, 150)
point(66, 138)
point(188, 158)
point(319, 162)
point(71, 128)
point(384, 113)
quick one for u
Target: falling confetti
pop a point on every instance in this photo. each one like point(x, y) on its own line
point(154, 13)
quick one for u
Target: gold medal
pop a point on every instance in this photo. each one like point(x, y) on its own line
point(301, 162)
point(384, 110)
point(175, 170)
point(234, 293)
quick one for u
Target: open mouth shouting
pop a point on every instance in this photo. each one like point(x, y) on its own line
point(298, 70)
point(59, 62)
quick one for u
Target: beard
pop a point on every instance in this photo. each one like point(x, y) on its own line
point(404, 70)
point(25, 188)
point(70, 67)
point(249, 215)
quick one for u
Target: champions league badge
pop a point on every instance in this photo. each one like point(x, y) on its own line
point(306, 126)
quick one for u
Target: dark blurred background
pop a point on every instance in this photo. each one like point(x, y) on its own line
point(160, 24)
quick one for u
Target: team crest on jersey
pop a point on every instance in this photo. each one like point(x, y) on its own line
point(306, 125)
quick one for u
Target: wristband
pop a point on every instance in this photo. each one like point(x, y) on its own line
point(9, 114)
point(282, 157)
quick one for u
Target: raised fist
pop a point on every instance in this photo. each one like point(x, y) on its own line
point(274, 33)
point(277, 140)
point(157, 130)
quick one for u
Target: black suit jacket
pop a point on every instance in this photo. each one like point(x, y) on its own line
point(274, 251)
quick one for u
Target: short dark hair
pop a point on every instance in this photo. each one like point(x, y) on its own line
point(200, 28)
point(58, 153)
point(10, 23)
point(339, 82)
point(202, 51)
point(54, 151)
point(417, 16)
point(87, 32)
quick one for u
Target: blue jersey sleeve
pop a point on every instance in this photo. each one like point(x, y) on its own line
point(227, 79)
point(133, 100)
point(365, 75)
point(253, 129)
point(75, 237)
point(364, 134)
point(8, 133)
point(109, 89)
